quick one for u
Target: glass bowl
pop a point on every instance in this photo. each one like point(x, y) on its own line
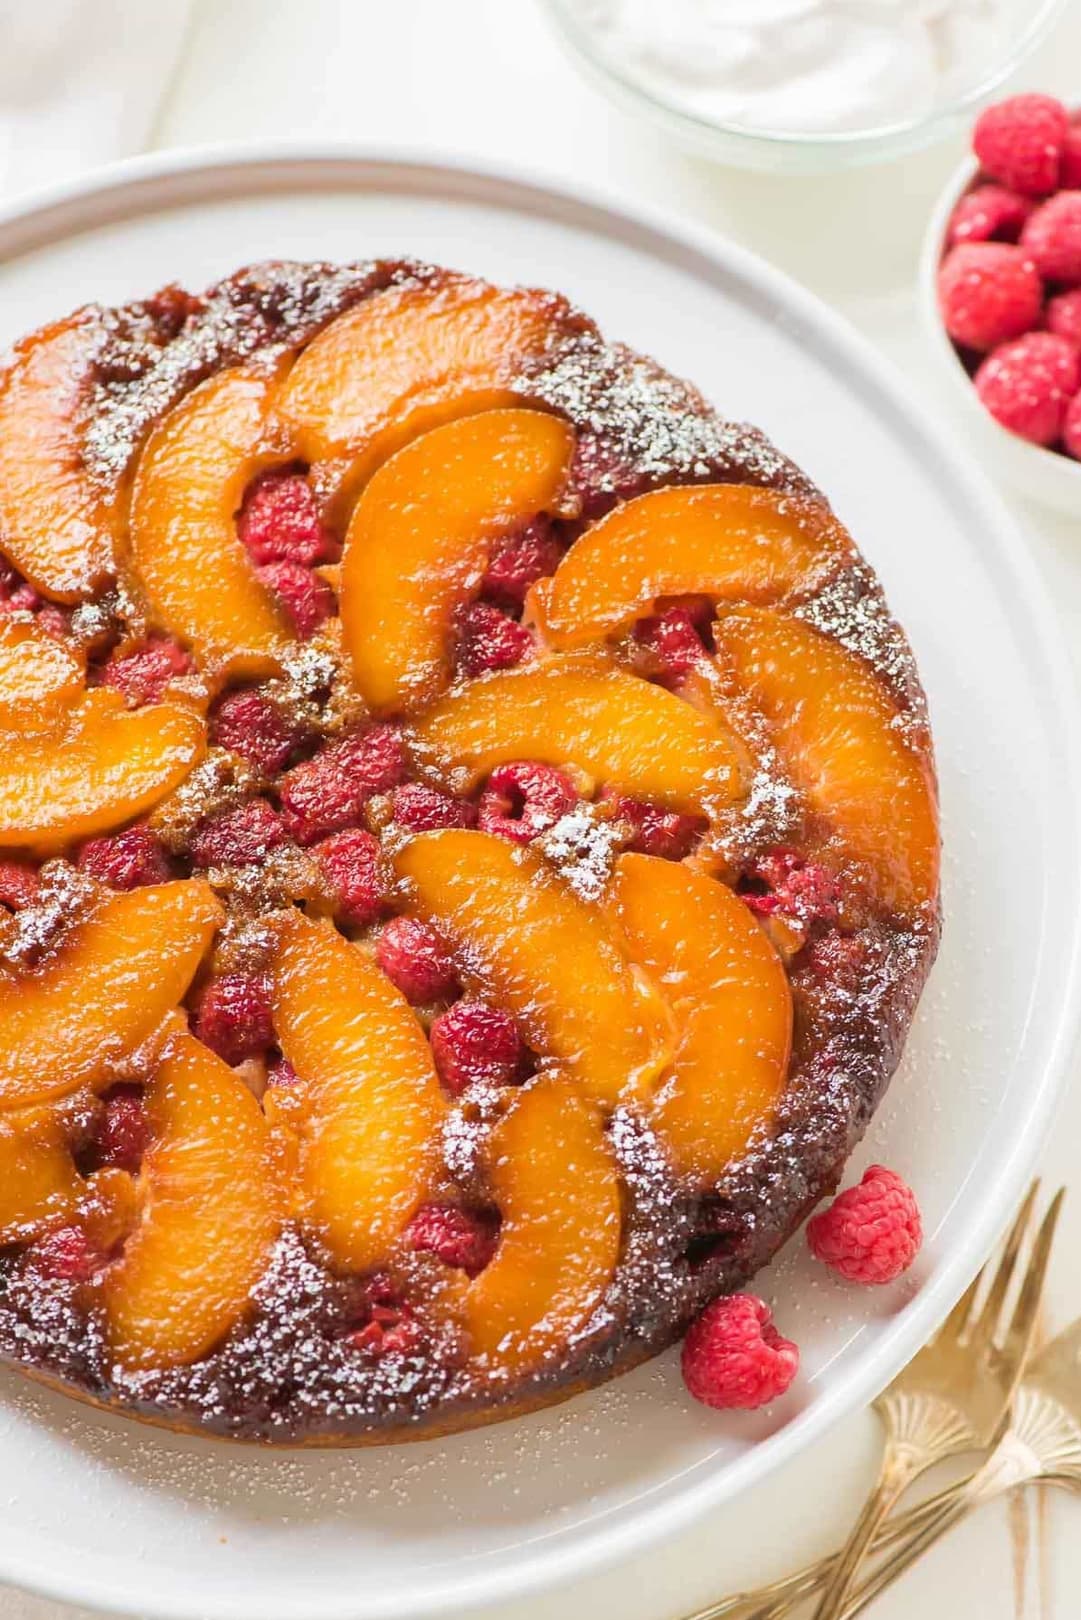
point(749, 148)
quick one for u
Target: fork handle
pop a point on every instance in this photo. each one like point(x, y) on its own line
point(899, 1468)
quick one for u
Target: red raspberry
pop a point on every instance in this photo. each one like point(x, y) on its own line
point(1027, 385)
point(733, 1356)
point(251, 724)
point(239, 837)
point(1069, 177)
point(1063, 315)
point(125, 860)
point(460, 1237)
point(870, 1233)
point(655, 831)
point(391, 1330)
point(234, 1017)
point(674, 637)
point(279, 522)
point(487, 639)
point(307, 599)
point(144, 674)
point(988, 292)
point(1052, 238)
point(123, 1134)
point(519, 562)
point(415, 959)
point(523, 799)
point(352, 863)
point(281, 1073)
point(1071, 427)
point(988, 213)
point(18, 884)
point(476, 1044)
point(424, 809)
point(1020, 142)
point(16, 593)
point(55, 621)
point(795, 887)
point(68, 1254)
point(328, 793)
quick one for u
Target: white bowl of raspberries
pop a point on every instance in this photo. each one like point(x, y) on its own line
point(1001, 293)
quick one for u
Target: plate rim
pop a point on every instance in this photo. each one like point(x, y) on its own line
point(631, 1527)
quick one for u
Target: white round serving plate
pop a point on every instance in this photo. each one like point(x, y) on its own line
point(102, 1511)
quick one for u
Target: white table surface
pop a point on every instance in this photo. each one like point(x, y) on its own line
point(485, 78)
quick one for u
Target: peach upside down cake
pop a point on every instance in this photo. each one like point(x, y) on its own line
point(470, 853)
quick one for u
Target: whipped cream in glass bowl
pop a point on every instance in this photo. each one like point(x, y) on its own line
point(804, 83)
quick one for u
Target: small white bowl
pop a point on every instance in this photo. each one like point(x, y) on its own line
point(1048, 476)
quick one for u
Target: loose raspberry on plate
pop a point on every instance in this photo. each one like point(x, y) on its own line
point(667, 834)
point(870, 1233)
point(1071, 427)
point(523, 798)
point(415, 959)
point(280, 522)
point(1053, 238)
point(242, 836)
point(473, 1044)
point(143, 674)
point(488, 639)
point(1027, 385)
point(123, 1134)
point(233, 1016)
point(125, 860)
point(424, 809)
point(251, 724)
point(988, 292)
point(1063, 315)
point(519, 562)
point(988, 213)
point(462, 1238)
point(1069, 176)
point(328, 793)
point(19, 884)
point(1020, 142)
point(733, 1356)
point(352, 863)
point(307, 599)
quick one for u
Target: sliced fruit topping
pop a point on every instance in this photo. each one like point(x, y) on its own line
point(474, 1044)
point(125, 860)
point(838, 734)
point(233, 1016)
point(144, 673)
point(103, 992)
point(210, 1215)
point(416, 961)
point(54, 526)
point(328, 793)
point(730, 542)
point(581, 710)
point(109, 765)
point(420, 538)
point(40, 680)
point(489, 639)
point(522, 800)
point(547, 957)
point(199, 579)
point(464, 1239)
point(38, 1178)
point(730, 1000)
point(553, 1178)
point(372, 1097)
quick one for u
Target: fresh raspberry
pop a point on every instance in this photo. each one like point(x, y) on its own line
point(1052, 238)
point(307, 599)
point(234, 1017)
point(424, 809)
point(1027, 385)
point(281, 1073)
point(523, 799)
point(352, 863)
point(68, 1255)
point(656, 831)
point(988, 213)
point(487, 639)
point(673, 637)
point(870, 1233)
point(1020, 142)
point(519, 562)
point(794, 887)
point(1069, 175)
point(460, 1237)
point(279, 522)
point(1071, 427)
point(123, 1134)
point(415, 959)
point(19, 884)
point(143, 675)
point(328, 793)
point(988, 292)
point(733, 1356)
point(125, 860)
point(251, 724)
point(1063, 315)
point(473, 1043)
point(242, 836)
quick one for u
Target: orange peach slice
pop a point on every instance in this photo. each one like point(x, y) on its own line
point(408, 359)
point(553, 1176)
point(40, 680)
point(837, 733)
point(54, 526)
point(420, 538)
point(730, 999)
point(38, 1178)
point(545, 955)
point(373, 1100)
point(197, 576)
point(731, 542)
point(620, 730)
point(103, 992)
point(110, 765)
point(210, 1214)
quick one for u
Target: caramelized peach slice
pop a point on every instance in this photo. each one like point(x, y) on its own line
point(109, 765)
point(54, 526)
point(408, 359)
point(104, 991)
point(420, 537)
point(38, 1178)
point(40, 680)
point(553, 1176)
point(731, 542)
point(836, 730)
point(210, 1214)
point(198, 579)
point(546, 956)
point(373, 1100)
point(730, 999)
point(620, 730)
